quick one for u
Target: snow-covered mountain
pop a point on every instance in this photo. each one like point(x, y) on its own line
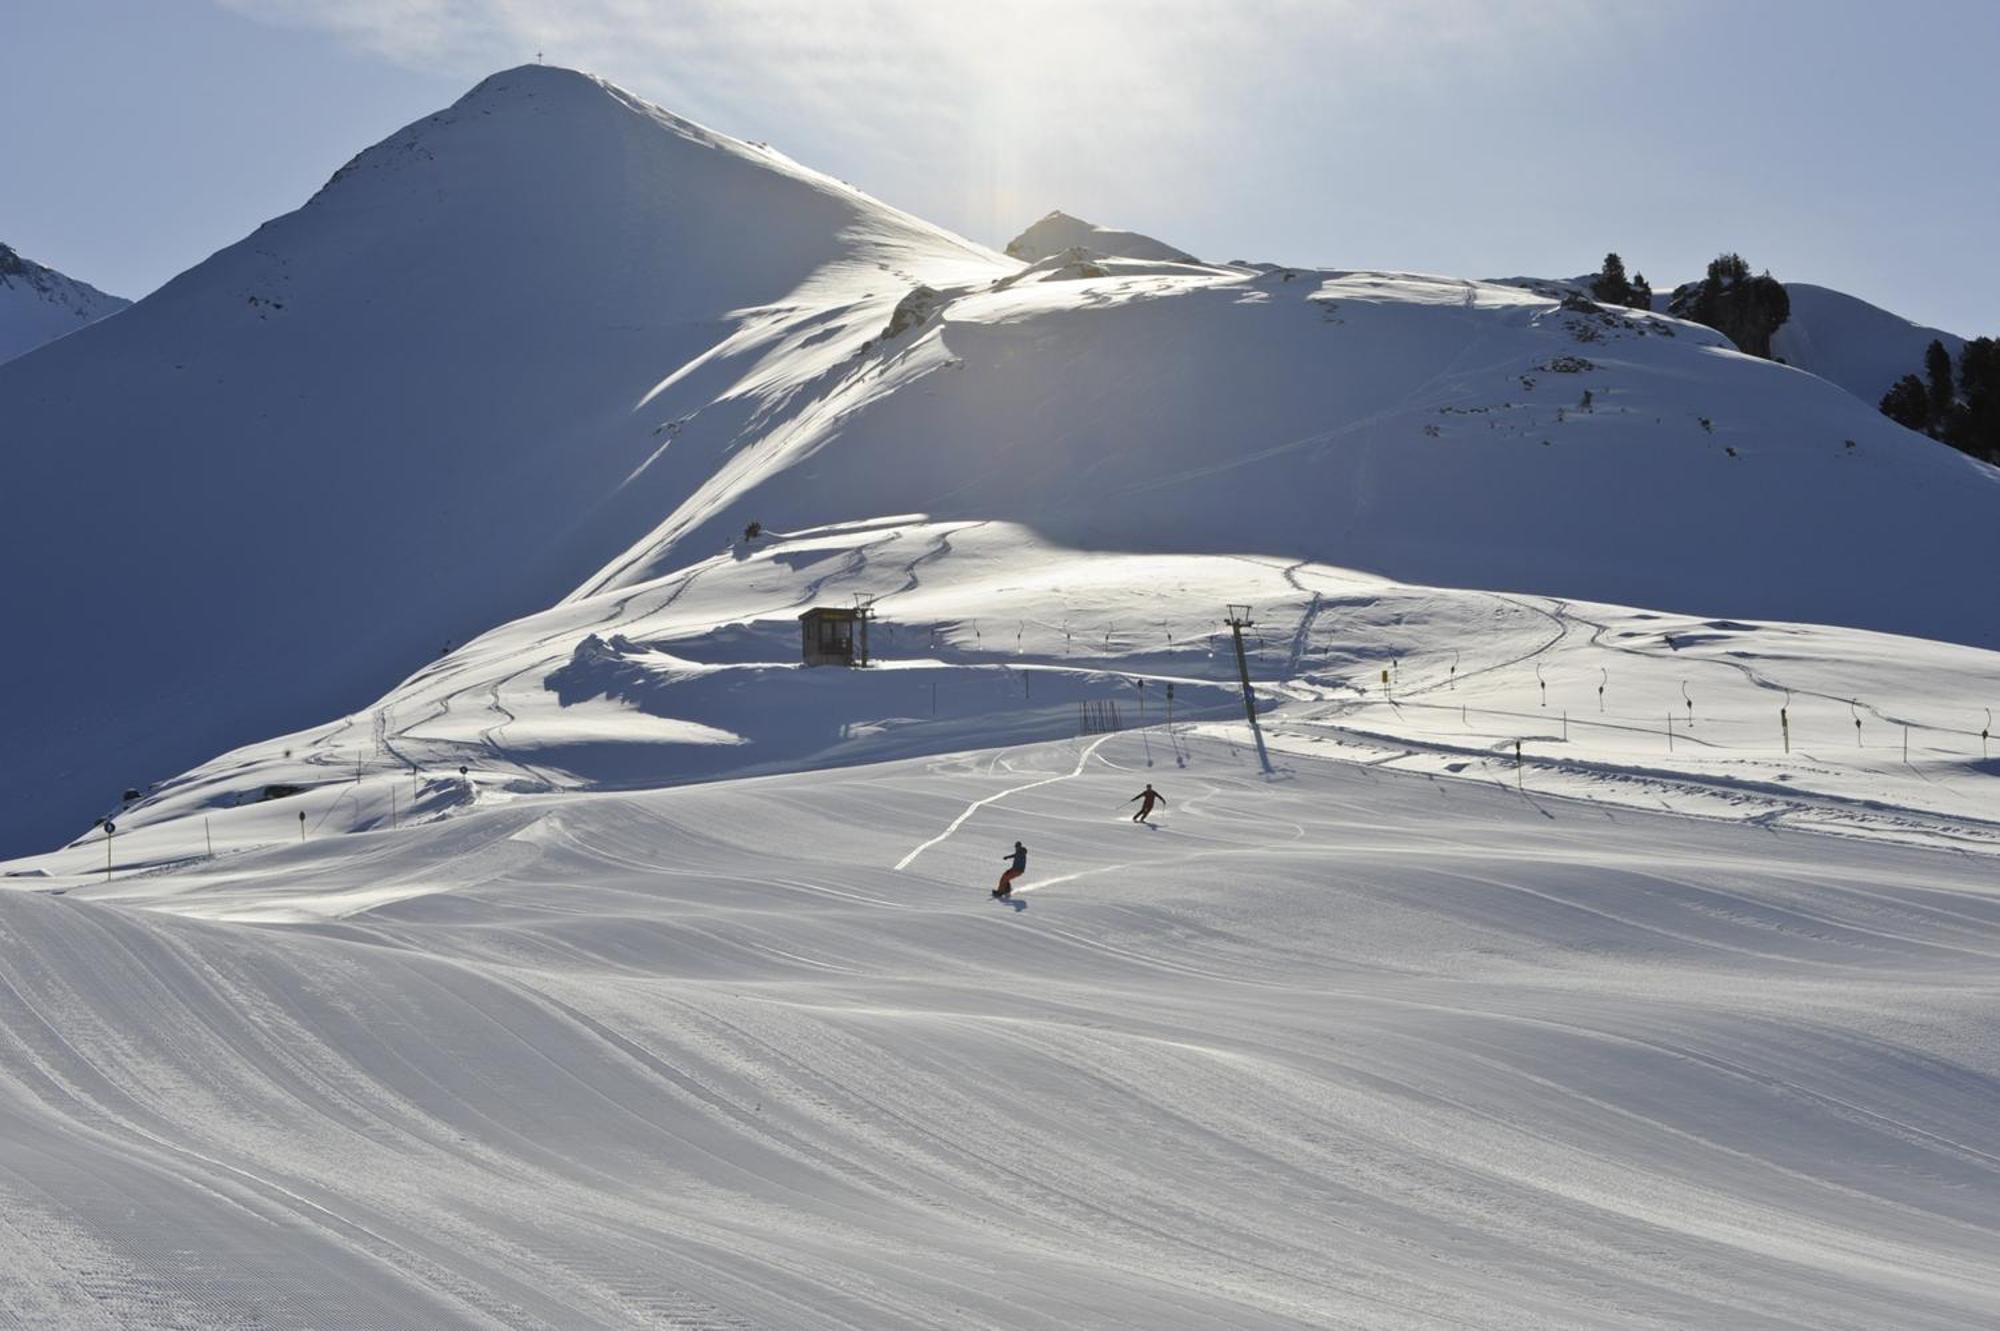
point(417, 407)
point(39, 304)
point(556, 342)
point(1059, 232)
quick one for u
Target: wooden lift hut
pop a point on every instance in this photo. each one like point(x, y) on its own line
point(835, 635)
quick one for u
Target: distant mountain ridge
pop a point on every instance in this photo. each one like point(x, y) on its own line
point(39, 304)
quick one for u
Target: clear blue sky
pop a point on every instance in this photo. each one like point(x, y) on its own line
point(1832, 141)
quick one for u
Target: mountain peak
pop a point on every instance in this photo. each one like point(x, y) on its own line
point(526, 114)
point(554, 76)
point(1059, 231)
point(558, 86)
point(39, 304)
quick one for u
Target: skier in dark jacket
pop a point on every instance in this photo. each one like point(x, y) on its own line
point(1151, 797)
point(1019, 867)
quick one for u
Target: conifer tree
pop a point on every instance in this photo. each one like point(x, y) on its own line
point(1908, 404)
point(1979, 415)
point(1727, 270)
point(1937, 372)
point(1610, 286)
point(1747, 309)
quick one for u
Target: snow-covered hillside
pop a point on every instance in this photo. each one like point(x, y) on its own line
point(1859, 346)
point(1431, 429)
point(985, 633)
point(1841, 338)
point(39, 304)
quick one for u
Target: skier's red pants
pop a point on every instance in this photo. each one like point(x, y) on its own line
point(1006, 883)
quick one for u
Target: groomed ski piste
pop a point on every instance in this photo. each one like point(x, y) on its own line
point(1373, 1028)
point(1350, 1047)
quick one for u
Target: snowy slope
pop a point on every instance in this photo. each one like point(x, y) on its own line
point(1859, 346)
point(406, 412)
point(39, 304)
point(1351, 1047)
point(1059, 232)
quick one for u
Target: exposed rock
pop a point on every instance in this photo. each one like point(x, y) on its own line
point(914, 309)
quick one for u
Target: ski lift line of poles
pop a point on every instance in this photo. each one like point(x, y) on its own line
point(1257, 644)
point(1675, 732)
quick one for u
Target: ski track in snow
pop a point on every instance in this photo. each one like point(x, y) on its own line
point(1082, 759)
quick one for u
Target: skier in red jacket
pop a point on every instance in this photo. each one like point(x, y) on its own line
point(1151, 797)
